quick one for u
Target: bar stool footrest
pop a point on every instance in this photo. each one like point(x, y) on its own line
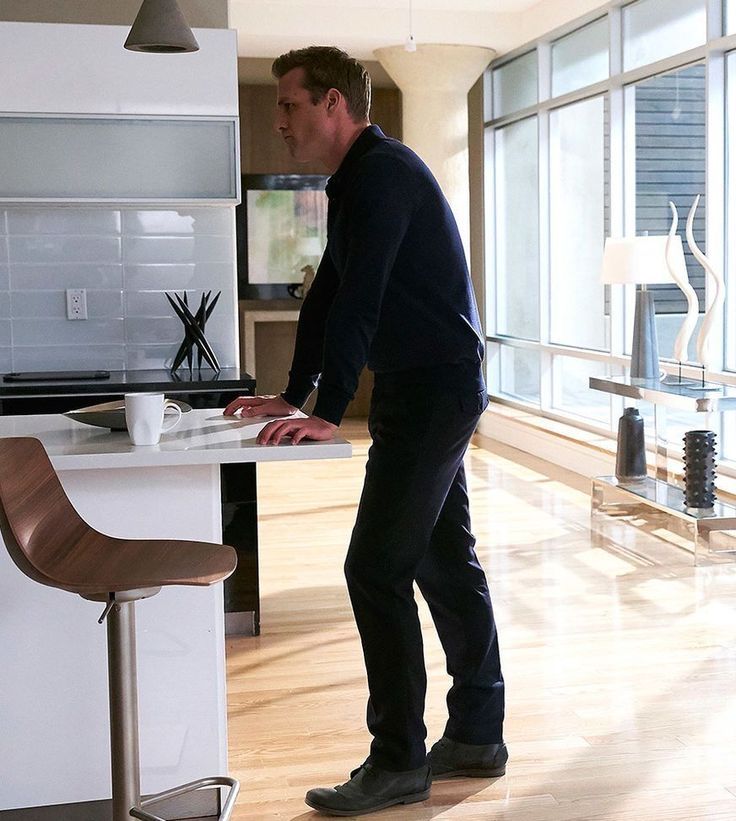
point(175, 792)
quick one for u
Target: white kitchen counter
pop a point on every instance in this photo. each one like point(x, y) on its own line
point(53, 691)
point(202, 437)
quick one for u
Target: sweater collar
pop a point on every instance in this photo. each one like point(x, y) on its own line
point(365, 141)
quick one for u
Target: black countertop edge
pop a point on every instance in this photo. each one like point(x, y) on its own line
point(133, 381)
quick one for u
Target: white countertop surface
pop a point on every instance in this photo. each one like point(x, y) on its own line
point(202, 437)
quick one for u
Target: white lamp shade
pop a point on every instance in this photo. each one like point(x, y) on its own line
point(637, 260)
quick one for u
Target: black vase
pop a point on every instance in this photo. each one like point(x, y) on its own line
point(631, 459)
point(700, 469)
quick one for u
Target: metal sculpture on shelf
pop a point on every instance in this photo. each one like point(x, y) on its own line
point(194, 326)
point(679, 274)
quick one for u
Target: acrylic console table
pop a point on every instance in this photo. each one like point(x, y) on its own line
point(705, 530)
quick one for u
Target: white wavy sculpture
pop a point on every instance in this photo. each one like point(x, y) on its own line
point(714, 309)
point(680, 276)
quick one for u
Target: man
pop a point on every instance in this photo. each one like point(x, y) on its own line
point(393, 291)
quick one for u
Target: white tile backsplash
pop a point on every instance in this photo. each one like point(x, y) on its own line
point(148, 357)
point(125, 259)
point(37, 304)
point(140, 330)
point(59, 248)
point(60, 276)
point(28, 331)
point(137, 250)
point(105, 304)
point(213, 221)
point(74, 221)
point(6, 360)
point(52, 304)
point(153, 303)
point(5, 333)
point(214, 276)
point(73, 357)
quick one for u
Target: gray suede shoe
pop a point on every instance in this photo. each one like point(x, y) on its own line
point(371, 789)
point(449, 759)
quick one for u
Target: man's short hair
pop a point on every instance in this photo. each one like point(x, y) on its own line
point(327, 67)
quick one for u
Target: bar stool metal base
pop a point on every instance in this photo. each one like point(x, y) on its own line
point(175, 792)
point(123, 694)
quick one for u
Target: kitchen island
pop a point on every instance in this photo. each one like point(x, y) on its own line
point(201, 389)
point(53, 698)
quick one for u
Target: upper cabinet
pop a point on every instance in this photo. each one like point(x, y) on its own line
point(118, 159)
point(84, 120)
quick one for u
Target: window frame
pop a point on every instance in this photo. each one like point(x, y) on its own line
point(714, 54)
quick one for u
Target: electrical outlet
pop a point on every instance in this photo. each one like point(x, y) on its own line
point(76, 303)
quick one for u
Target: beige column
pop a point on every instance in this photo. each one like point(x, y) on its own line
point(435, 81)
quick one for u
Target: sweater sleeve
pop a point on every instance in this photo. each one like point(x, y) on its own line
point(307, 360)
point(378, 209)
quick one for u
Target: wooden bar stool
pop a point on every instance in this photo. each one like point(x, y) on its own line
point(53, 545)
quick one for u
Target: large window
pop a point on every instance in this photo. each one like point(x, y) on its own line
point(578, 224)
point(519, 373)
point(515, 85)
point(730, 330)
point(570, 391)
point(517, 229)
point(655, 29)
point(669, 166)
point(636, 109)
point(580, 58)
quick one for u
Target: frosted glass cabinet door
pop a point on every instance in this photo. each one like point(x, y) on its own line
point(121, 159)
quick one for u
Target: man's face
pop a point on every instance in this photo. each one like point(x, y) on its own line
point(304, 125)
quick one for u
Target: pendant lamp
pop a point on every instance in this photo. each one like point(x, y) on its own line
point(160, 28)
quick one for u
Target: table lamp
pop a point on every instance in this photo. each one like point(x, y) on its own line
point(639, 261)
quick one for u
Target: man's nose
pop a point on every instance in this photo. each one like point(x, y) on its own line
point(278, 122)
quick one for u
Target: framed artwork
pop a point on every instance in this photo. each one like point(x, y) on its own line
point(281, 228)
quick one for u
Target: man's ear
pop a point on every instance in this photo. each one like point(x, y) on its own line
point(333, 99)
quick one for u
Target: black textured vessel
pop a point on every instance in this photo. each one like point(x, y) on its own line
point(700, 469)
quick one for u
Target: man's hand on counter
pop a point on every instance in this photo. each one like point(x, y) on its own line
point(260, 406)
point(302, 427)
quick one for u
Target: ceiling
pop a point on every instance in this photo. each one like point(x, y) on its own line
point(267, 28)
point(403, 5)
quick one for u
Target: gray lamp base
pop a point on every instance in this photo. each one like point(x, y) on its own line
point(645, 351)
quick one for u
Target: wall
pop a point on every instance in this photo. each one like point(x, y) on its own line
point(124, 256)
point(125, 259)
point(477, 211)
point(201, 13)
point(262, 151)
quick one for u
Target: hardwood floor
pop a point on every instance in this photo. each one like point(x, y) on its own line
point(619, 656)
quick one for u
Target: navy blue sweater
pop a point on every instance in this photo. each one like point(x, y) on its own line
point(392, 289)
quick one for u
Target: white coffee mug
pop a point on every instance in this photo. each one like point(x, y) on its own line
point(144, 417)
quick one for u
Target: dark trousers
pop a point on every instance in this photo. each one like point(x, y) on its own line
point(413, 524)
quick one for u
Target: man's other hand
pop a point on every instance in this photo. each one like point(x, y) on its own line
point(304, 427)
point(260, 406)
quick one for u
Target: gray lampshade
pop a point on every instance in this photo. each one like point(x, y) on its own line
point(160, 28)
